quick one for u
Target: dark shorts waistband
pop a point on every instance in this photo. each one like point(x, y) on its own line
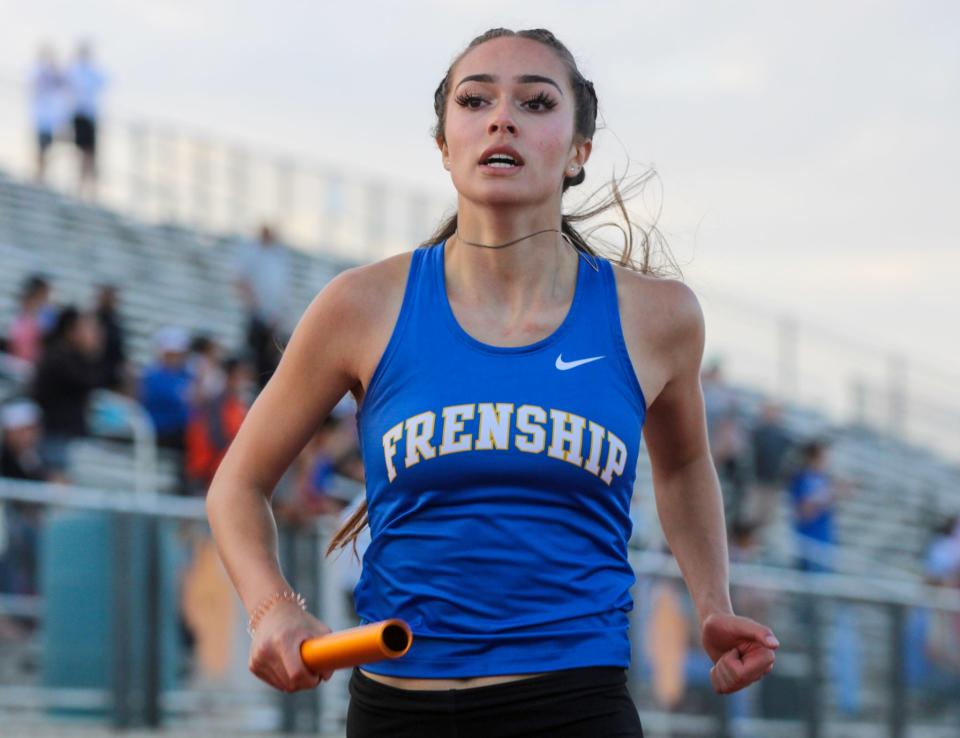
point(582, 680)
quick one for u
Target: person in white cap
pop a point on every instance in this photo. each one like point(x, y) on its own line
point(165, 386)
point(20, 455)
point(20, 522)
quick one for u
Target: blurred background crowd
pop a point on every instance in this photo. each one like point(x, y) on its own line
point(194, 390)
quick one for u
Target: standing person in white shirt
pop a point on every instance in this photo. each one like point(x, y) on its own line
point(263, 279)
point(48, 104)
point(86, 87)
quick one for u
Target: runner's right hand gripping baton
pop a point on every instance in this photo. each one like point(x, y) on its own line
point(387, 639)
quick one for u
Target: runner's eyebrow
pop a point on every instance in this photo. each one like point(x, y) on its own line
point(524, 79)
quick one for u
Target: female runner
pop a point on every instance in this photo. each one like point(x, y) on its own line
point(503, 374)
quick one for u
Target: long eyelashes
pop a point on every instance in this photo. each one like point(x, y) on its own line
point(466, 100)
point(542, 99)
point(539, 102)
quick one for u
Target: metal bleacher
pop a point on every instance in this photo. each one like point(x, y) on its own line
point(167, 275)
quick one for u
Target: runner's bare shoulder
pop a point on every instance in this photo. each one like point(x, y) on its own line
point(361, 305)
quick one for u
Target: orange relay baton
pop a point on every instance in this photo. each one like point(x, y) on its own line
point(386, 639)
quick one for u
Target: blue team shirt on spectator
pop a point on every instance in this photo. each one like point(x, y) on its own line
point(165, 394)
point(805, 485)
point(322, 475)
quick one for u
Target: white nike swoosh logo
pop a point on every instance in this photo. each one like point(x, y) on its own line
point(564, 365)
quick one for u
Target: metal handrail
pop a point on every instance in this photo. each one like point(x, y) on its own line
point(836, 557)
point(144, 438)
point(862, 589)
point(152, 503)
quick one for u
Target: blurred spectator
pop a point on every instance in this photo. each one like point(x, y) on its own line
point(942, 563)
point(33, 320)
point(206, 366)
point(753, 602)
point(214, 424)
point(313, 470)
point(349, 562)
point(745, 548)
point(718, 397)
point(20, 459)
point(49, 104)
point(263, 280)
point(932, 642)
point(333, 449)
point(728, 438)
point(113, 361)
point(771, 444)
point(86, 86)
point(814, 493)
point(67, 373)
point(208, 611)
point(667, 643)
point(328, 474)
point(942, 643)
point(349, 467)
point(165, 388)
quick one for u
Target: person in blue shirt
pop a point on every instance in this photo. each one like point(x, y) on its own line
point(165, 388)
point(503, 372)
point(931, 650)
point(814, 493)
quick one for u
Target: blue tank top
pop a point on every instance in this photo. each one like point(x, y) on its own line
point(498, 483)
